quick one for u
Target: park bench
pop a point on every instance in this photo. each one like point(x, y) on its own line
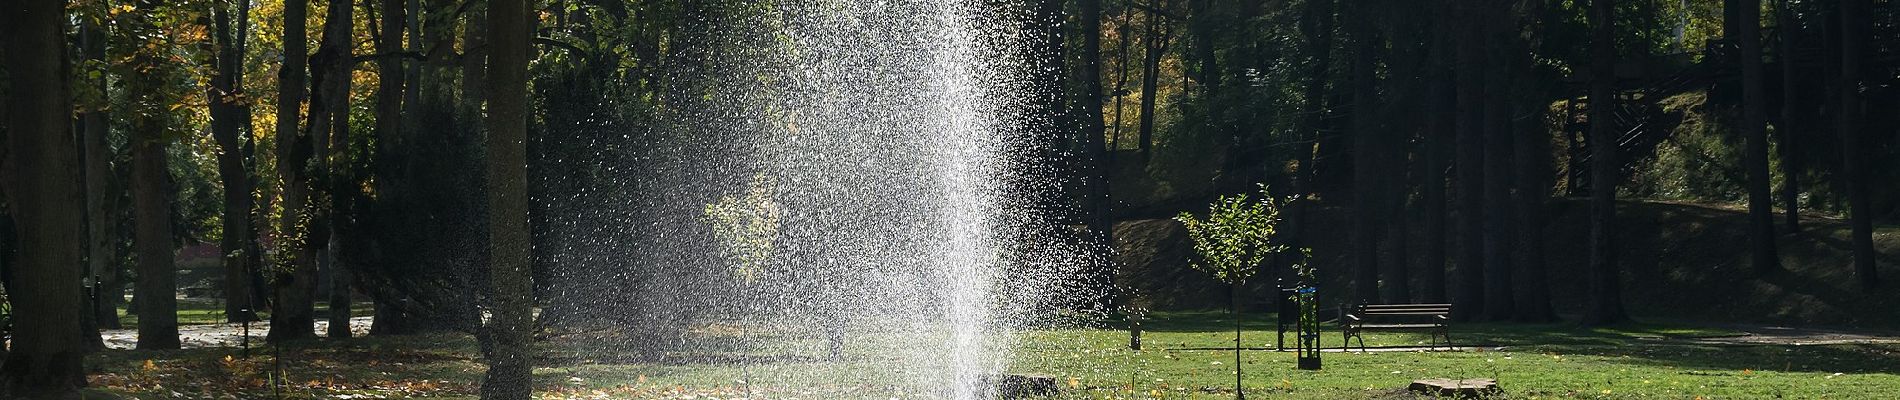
point(1433, 318)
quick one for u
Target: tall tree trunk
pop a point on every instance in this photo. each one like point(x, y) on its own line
point(474, 69)
point(390, 81)
point(40, 172)
point(412, 94)
point(1408, 66)
point(156, 289)
point(292, 314)
point(329, 132)
point(391, 130)
point(1606, 303)
point(508, 333)
point(1439, 131)
point(1208, 62)
point(1790, 119)
point(223, 97)
point(1156, 45)
point(100, 215)
point(1121, 85)
point(343, 195)
point(1761, 201)
point(1499, 302)
point(1101, 217)
point(1366, 155)
point(1470, 162)
point(1316, 25)
point(1531, 144)
point(253, 250)
point(1854, 32)
point(437, 82)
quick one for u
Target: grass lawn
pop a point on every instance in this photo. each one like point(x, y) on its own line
point(1530, 361)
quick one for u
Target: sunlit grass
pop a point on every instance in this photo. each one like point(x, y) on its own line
point(1529, 361)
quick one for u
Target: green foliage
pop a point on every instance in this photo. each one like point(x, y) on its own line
point(1236, 236)
point(747, 226)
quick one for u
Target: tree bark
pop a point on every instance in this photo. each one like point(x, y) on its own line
point(40, 172)
point(390, 126)
point(100, 218)
point(1439, 130)
point(329, 127)
point(1470, 163)
point(1854, 31)
point(1761, 201)
point(1367, 204)
point(1121, 84)
point(390, 76)
point(156, 290)
point(157, 287)
point(1790, 119)
point(1101, 214)
point(224, 95)
point(1499, 302)
point(295, 281)
point(1156, 45)
point(1316, 25)
point(508, 333)
point(1531, 143)
point(1606, 303)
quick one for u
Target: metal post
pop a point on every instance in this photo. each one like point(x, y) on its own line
point(1283, 304)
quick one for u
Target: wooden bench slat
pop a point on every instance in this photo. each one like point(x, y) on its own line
point(1397, 326)
point(1363, 317)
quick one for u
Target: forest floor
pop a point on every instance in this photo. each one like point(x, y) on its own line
point(1186, 355)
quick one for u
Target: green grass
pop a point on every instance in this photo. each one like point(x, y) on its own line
point(1530, 361)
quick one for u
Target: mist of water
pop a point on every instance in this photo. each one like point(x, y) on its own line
point(901, 139)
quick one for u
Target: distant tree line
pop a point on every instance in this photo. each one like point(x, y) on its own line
point(332, 145)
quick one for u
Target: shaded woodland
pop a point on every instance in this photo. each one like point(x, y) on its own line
point(328, 149)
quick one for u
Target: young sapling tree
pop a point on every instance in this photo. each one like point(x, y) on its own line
point(1235, 237)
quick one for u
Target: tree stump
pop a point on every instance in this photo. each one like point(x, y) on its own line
point(1459, 388)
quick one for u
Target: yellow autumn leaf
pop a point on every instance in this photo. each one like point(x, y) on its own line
point(149, 366)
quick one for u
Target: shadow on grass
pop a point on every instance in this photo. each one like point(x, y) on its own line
point(1650, 344)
